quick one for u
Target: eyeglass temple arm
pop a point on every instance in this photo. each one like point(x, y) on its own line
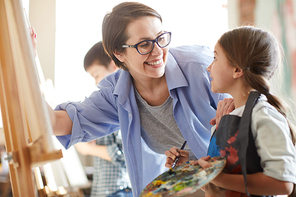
point(127, 46)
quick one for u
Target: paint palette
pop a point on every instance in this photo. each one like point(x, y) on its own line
point(185, 180)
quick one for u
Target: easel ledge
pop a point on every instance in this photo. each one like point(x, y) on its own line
point(39, 157)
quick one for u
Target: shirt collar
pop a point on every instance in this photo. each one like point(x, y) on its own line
point(174, 76)
point(123, 85)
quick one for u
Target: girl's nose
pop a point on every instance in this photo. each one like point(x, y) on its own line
point(209, 67)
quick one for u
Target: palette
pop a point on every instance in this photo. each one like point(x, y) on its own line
point(185, 180)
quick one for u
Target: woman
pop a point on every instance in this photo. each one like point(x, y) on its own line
point(159, 98)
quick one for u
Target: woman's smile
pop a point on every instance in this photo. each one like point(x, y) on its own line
point(155, 64)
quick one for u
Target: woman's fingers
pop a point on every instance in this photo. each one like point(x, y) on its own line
point(224, 107)
point(184, 156)
point(34, 40)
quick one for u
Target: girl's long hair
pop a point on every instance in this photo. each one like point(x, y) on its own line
point(258, 54)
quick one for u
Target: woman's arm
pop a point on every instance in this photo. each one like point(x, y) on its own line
point(61, 122)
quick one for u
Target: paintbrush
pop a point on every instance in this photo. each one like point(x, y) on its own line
point(177, 159)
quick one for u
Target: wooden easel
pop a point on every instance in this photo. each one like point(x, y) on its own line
point(26, 121)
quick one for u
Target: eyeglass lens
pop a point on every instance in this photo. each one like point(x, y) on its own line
point(147, 45)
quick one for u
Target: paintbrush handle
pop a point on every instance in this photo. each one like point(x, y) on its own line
point(177, 158)
point(183, 146)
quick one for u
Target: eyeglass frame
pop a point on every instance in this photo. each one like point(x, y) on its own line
point(155, 40)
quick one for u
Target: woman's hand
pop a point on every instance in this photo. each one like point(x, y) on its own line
point(34, 40)
point(173, 153)
point(224, 107)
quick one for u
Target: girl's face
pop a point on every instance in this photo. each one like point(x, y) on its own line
point(222, 73)
point(149, 66)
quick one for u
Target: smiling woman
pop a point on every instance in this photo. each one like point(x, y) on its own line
point(192, 25)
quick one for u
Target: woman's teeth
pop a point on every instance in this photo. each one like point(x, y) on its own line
point(154, 63)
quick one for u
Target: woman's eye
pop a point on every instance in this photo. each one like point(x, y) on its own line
point(160, 39)
point(145, 45)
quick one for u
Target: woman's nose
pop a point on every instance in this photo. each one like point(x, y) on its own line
point(156, 49)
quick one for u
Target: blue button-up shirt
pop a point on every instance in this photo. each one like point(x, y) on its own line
point(114, 107)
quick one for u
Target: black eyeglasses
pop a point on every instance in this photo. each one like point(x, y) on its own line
point(146, 46)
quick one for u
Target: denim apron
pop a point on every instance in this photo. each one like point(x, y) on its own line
point(234, 140)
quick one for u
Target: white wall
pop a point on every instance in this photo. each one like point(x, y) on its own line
point(233, 15)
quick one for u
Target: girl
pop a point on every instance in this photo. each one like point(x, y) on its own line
point(256, 138)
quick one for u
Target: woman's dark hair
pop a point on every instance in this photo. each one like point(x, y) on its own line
point(115, 23)
point(258, 54)
point(96, 54)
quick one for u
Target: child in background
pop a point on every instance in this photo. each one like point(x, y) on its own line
point(256, 138)
point(110, 178)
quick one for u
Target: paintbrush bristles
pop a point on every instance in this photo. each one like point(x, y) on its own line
point(171, 171)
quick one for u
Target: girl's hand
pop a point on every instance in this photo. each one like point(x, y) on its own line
point(210, 189)
point(173, 153)
point(203, 162)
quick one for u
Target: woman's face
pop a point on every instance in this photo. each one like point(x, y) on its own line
point(221, 72)
point(149, 66)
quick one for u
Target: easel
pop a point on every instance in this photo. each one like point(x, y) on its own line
point(26, 122)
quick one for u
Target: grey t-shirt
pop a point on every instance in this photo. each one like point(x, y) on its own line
point(158, 126)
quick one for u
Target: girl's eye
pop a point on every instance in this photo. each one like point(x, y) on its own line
point(215, 58)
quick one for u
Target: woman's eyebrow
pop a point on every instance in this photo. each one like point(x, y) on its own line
point(147, 38)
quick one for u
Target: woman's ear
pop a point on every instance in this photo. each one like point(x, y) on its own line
point(119, 56)
point(238, 72)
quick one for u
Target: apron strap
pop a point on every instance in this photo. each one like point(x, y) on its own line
point(293, 194)
point(243, 134)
